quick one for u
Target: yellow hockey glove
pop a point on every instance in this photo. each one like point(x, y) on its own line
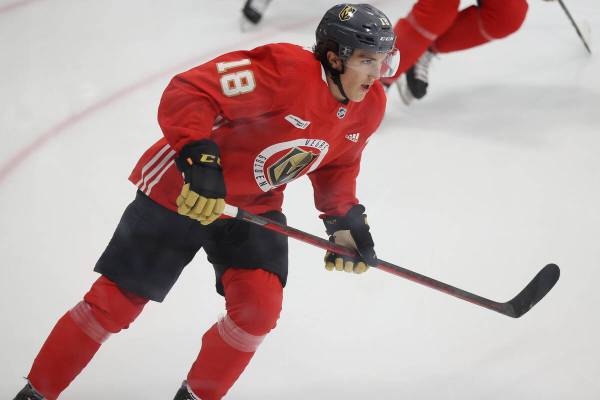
point(203, 195)
point(352, 231)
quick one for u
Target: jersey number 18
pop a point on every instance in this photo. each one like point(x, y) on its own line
point(236, 83)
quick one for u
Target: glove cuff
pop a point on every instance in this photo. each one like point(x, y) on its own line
point(355, 216)
point(203, 152)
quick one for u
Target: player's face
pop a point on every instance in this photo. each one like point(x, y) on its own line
point(361, 71)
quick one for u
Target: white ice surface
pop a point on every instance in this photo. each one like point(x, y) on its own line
point(493, 175)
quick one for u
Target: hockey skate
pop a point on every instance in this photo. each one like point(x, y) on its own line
point(413, 83)
point(28, 393)
point(184, 393)
point(252, 13)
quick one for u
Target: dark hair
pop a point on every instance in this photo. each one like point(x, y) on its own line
point(320, 51)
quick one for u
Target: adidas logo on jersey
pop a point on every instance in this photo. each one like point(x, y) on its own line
point(353, 137)
point(297, 122)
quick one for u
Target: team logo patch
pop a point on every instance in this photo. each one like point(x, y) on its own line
point(281, 163)
point(289, 166)
point(353, 137)
point(347, 13)
point(297, 122)
point(341, 113)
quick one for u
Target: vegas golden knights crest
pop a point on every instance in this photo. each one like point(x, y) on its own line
point(289, 166)
point(283, 162)
point(347, 13)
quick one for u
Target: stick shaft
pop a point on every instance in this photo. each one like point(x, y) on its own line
point(383, 265)
point(585, 43)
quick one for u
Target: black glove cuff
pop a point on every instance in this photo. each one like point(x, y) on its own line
point(353, 218)
point(203, 152)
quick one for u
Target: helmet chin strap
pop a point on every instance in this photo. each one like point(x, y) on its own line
point(335, 77)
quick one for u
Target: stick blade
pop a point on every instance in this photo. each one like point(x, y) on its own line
point(539, 286)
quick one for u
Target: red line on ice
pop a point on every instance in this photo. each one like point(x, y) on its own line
point(11, 6)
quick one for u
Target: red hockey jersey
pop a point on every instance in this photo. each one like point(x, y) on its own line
point(274, 119)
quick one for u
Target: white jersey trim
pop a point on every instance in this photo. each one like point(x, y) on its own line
point(156, 170)
point(160, 164)
point(155, 181)
point(151, 162)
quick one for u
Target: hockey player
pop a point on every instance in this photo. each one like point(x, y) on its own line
point(236, 130)
point(438, 26)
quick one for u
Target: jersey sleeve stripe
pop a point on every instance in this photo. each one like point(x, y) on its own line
point(158, 167)
point(157, 179)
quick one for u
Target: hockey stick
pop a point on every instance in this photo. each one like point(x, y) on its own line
point(539, 286)
point(581, 36)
